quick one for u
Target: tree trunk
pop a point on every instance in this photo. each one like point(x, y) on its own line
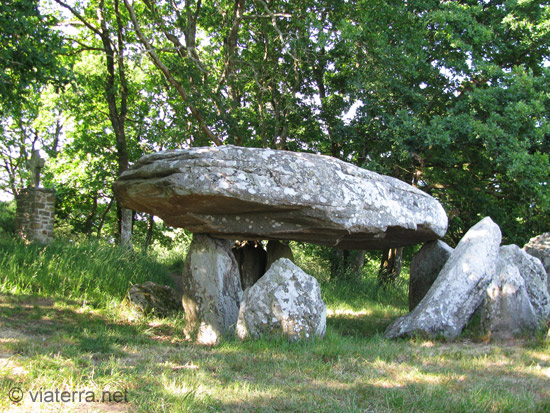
point(126, 218)
point(103, 216)
point(390, 266)
point(149, 236)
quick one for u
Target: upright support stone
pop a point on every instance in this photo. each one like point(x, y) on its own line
point(251, 258)
point(425, 267)
point(35, 215)
point(211, 289)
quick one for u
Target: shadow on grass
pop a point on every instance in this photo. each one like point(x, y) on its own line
point(352, 369)
point(358, 325)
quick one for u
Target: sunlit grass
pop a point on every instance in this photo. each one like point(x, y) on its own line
point(53, 342)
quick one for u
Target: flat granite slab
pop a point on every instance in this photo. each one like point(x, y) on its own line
point(251, 193)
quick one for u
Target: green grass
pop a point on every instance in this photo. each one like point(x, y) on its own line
point(55, 342)
point(91, 272)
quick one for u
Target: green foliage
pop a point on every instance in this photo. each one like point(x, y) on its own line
point(93, 272)
point(28, 49)
point(7, 218)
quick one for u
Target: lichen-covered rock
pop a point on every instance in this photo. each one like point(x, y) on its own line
point(277, 250)
point(252, 259)
point(252, 193)
point(534, 274)
point(507, 309)
point(153, 298)
point(459, 289)
point(539, 247)
point(425, 267)
point(211, 289)
point(285, 301)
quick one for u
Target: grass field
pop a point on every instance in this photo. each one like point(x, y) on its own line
point(72, 334)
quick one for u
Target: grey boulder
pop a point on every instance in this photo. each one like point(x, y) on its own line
point(425, 267)
point(152, 298)
point(532, 272)
point(252, 193)
point(459, 289)
point(285, 301)
point(507, 310)
point(539, 247)
point(211, 289)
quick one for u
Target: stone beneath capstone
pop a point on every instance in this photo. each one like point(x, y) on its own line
point(211, 289)
point(152, 298)
point(539, 247)
point(285, 301)
point(277, 250)
point(425, 267)
point(252, 193)
point(507, 310)
point(251, 258)
point(458, 290)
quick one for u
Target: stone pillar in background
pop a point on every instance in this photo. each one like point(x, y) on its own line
point(35, 207)
point(35, 215)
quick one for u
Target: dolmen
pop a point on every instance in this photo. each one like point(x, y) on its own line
point(228, 193)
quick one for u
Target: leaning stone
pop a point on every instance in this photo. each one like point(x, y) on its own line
point(507, 310)
point(151, 298)
point(251, 193)
point(285, 301)
point(459, 288)
point(425, 267)
point(277, 250)
point(211, 289)
point(251, 258)
point(539, 247)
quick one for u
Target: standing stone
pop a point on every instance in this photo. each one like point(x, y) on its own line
point(285, 301)
point(425, 267)
point(507, 310)
point(539, 247)
point(251, 258)
point(458, 290)
point(532, 271)
point(35, 215)
point(211, 289)
point(277, 250)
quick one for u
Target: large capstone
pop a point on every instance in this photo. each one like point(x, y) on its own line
point(285, 301)
point(211, 289)
point(251, 193)
point(458, 290)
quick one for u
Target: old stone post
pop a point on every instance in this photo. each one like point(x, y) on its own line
point(35, 207)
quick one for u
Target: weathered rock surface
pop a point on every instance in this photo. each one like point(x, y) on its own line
point(425, 267)
point(285, 301)
point(153, 298)
point(251, 258)
point(534, 274)
point(277, 250)
point(539, 247)
point(250, 193)
point(458, 290)
point(507, 310)
point(211, 289)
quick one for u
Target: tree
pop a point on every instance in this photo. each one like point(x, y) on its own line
point(28, 53)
